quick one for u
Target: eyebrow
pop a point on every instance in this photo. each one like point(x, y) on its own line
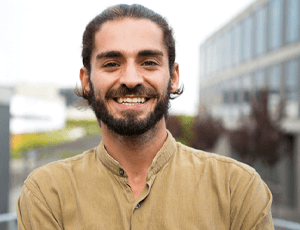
point(144, 53)
point(109, 54)
point(117, 54)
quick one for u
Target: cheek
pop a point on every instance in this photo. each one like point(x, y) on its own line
point(159, 82)
point(101, 85)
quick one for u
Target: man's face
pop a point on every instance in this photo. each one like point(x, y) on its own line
point(130, 76)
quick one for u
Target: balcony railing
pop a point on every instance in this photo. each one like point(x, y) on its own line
point(10, 217)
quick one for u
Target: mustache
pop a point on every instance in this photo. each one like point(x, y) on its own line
point(138, 90)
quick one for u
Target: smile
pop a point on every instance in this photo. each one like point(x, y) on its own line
point(131, 100)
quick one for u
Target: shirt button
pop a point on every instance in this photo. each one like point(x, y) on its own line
point(137, 206)
point(121, 172)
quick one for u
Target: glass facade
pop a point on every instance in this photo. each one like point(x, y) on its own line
point(268, 28)
point(259, 83)
point(236, 44)
point(227, 44)
point(274, 79)
point(276, 24)
point(246, 84)
point(291, 80)
point(247, 39)
point(271, 26)
point(236, 86)
point(226, 92)
point(261, 31)
point(292, 21)
point(292, 88)
point(259, 49)
point(274, 86)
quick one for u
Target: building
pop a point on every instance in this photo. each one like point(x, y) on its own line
point(36, 108)
point(42, 107)
point(259, 48)
point(74, 110)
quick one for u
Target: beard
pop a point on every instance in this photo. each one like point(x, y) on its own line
point(130, 125)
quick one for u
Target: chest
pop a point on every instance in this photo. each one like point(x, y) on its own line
point(164, 205)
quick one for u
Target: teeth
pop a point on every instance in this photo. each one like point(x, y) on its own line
point(130, 101)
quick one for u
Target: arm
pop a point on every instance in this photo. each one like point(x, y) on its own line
point(251, 204)
point(34, 213)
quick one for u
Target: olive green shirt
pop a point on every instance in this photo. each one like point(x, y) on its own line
point(185, 189)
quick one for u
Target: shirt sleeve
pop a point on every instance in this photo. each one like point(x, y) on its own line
point(251, 204)
point(33, 212)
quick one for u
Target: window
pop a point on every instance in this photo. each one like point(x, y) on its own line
point(246, 84)
point(259, 83)
point(261, 29)
point(291, 80)
point(229, 48)
point(222, 52)
point(235, 90)
point(275, 73)
point(226, 49)
point(236, 44)
point(246, 92)
point(291, 88)
point(248, 38)
point(218, 53)
point(274, 85)
point(292, 21)
point(276, 19)
point(226, 92)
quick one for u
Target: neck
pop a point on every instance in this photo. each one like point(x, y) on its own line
point(135, 153)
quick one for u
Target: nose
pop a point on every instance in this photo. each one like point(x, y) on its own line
point(131, 77)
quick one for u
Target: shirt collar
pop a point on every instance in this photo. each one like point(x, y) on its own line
point(161, 158)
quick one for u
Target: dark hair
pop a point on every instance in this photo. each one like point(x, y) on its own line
point(122, 11)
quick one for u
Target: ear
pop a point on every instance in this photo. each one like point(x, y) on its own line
point(175, 78)
point(84, 78)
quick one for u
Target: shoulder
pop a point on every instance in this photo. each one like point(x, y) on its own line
point(250, 198)
point(60, 171)
point(213, 162)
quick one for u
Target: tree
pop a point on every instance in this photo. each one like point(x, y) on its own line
point(260, 137)
point(174, 126)
point(206, 132)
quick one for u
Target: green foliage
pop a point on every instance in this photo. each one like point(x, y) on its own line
point(197, 132)
point(90, 126)
point(185, 124)
point(23, 143)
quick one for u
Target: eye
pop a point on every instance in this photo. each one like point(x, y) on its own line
point(110, 65)
point(149, 63)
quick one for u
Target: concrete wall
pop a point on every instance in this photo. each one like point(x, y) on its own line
point(4, 153)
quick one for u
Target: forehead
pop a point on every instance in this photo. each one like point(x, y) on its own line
point(129, 35)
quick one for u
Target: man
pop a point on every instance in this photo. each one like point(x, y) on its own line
point(139, 177)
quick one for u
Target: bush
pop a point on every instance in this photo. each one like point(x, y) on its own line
point(200, 132)
point(22, 143)
point(259, 139)
point(206, 132)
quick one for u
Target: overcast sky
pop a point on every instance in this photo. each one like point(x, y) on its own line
point(40, 41)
